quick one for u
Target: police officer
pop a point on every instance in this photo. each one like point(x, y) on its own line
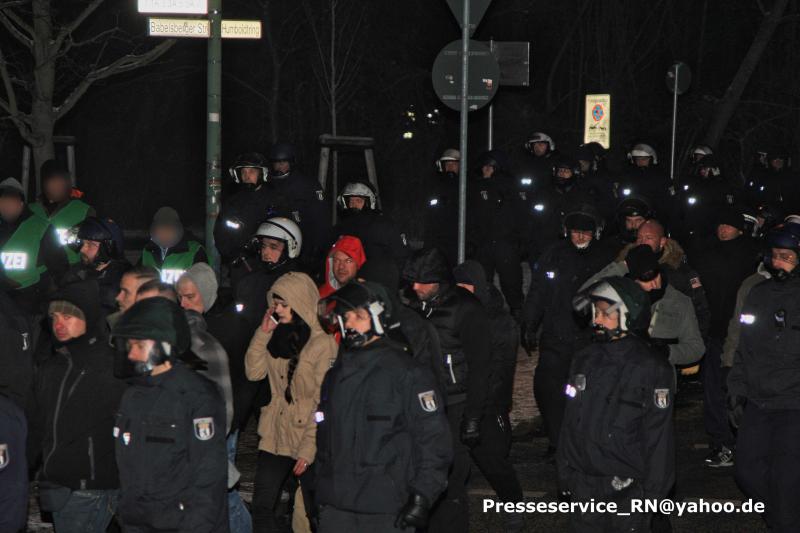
point(776, 183)
point(536, 162)
point(298, 197)
point(551, 205)
point(61, 204)
point(631, 213)
point(763, 384)
point(170, 428)
point(16, 357)
point(33, 259)
point(495, 225)
point(13, 466)
point(463, 327)
point(592, 158)
point(361, 218)
point(556, 277)
point(102, 257)
point(617, 440)
point(440, 207)
point(382, 436)
point(170, 249)
point(241, 213)
point(645, 178)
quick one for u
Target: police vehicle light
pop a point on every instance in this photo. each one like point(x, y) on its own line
point(539, 207)
point(626, 192)
point(239, 308)
point(232, 224)
point(571, 391)
point(526, 181)
point(550, 274)
point(319, 416)
point(747, 319)
point(434, 202)
point(692, 200)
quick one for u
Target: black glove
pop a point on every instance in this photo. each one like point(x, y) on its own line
point(413, 514)
point(471, 431)
point(529, 340)
point(736, 405)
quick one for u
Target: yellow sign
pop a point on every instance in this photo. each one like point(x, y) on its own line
point(597, 127)
point(231, 29)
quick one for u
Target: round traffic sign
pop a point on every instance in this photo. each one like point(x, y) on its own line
point(483, 76)
point(679, 75)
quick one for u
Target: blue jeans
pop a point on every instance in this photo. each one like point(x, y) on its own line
point(86, 511)
point(238, 515)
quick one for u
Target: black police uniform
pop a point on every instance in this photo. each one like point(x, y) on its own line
point(698, 202)
point(170, 447)
point(765, 375)
point(440, 216)
point(251, 290)
point(376, 231)
point(108, 280)
point(381, 437)
point(13, 467)
point(16, 356)
point(617, 439)
point(556, 278)
point(651, 183)
point(773, 186)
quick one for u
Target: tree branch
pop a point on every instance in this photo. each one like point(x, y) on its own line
point(123, 64)
point(72, 26)
point(6, 18)
point(10, 104)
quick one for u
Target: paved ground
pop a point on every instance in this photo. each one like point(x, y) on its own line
point(537, 474)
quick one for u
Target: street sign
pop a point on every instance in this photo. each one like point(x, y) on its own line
point(174, 7)
point(597, 125)
point(514, 58)
point(477, 8)
point(484, 75)
point(681, 73)
point(197, 28)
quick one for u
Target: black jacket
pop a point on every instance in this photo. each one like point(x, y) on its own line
point(440, 215)
point(75, 397)
point(697, 204)
point(13, 467)
point(765, 369)
point(108, 280)
point(242, 212)
point(546, 214)
point(496, 208)
point(618, 418)
point(16, 352)
point(723, 266)
point(382, 432)
point(376, 231)
point(170, 448)
point(251, 291)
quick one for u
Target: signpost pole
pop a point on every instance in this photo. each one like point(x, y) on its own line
point(213, 127)
point(462, 173)
point(490, 136)
point(674, 123)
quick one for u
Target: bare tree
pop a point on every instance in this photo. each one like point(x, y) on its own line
point(40, 89)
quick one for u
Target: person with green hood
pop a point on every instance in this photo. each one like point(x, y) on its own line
point(170, 249)
point(169, 431)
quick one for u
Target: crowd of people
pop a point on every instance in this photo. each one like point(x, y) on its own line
point(379, 372)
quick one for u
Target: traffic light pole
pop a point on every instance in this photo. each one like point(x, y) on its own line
point(462, 167)
point(213, 127)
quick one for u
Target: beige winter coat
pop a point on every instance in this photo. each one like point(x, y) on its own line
point(290, 429)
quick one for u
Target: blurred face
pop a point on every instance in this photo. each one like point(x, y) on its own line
point(344, 267)
point(784, 259)
point(165, 234)
point(776, 164)
point(540, 148)
point(451, 166)
point(126, 296)
point(705, 171)
point(650, 235)
point(585, 165)
point(189, 296)
point(653, 284)
point(283, 310)
point(271, 250)
point(358, 320)
point(89, 251)
point(281, 167)
point(633, 223)
point(11, 208)
point(727, 233)
point(66, 327)
point(642, 162)
point(56, 189)
point(487, 171)
point(356, 202)
point(580, 238)
point(425, 291)
point(250, 175)
point(604, 318)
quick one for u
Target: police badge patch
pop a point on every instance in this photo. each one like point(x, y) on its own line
point(661, 398)
point(427, 400)
point(5, 458)
point(203, 428)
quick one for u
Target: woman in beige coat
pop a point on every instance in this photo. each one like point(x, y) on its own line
point(293, 351)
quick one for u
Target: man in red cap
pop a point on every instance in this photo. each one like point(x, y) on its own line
point(344, 259)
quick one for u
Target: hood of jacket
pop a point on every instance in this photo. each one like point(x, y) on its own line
point(354, 249)
point(85, 295)
point(300, 293)
point(427, 266)
point(472, 273)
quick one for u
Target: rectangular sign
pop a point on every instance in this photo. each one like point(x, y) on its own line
point(514, 58)
point(174, 7)
point(597, 126)
point(231, 29)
